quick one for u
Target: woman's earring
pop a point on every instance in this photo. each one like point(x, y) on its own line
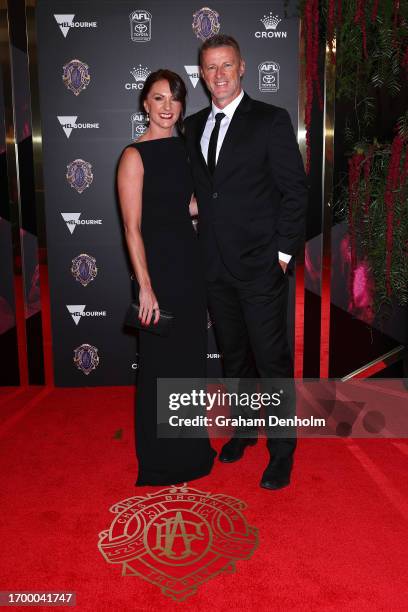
point(147, 117)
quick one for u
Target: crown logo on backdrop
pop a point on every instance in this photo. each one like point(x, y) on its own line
point(270, 21)
point(139, 73)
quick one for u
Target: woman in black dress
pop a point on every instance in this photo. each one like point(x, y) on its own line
point(155, 192)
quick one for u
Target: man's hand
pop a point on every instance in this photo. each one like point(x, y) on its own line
point(283, 265)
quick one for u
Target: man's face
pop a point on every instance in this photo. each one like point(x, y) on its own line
point(222, 68)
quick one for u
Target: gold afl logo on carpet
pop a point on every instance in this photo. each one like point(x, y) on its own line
point(178, 538)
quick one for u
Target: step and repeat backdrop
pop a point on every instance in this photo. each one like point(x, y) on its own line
point(93, 59)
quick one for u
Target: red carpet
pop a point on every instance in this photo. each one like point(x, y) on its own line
point(336, 539)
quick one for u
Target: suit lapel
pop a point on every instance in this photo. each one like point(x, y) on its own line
point(202, 120)
point(234, 135)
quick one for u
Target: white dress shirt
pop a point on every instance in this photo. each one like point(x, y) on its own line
point(229, 111)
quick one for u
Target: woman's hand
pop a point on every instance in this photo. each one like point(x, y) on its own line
point(147, 304)
point(193, 206)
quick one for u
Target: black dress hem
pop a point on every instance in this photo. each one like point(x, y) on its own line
point(155, 480)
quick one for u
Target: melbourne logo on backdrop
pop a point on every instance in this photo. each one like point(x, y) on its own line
point(72, 220)
point(69, 123)
point(193, 73)
point(66, 23)
point(77, 311)
point(178, 538)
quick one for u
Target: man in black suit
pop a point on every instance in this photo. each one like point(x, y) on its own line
point(251, 192)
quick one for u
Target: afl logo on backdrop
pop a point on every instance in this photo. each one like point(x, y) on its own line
point(76, 76)
point(140, 25)
point(86, 358)
point(84, 269)
point(139, 125)
point(269, 76)
point(206, 23)
point(79, 175)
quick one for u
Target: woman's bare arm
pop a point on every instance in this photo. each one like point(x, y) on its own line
point(130, 187)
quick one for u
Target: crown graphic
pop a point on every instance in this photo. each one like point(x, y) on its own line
point(139, 73)
point(270, 21)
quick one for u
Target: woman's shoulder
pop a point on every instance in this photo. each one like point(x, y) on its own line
point(131, 157)
point(134, 149)
point(131, 146)
point(130, 151)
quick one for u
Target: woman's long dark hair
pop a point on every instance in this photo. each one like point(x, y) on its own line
point(177, 88)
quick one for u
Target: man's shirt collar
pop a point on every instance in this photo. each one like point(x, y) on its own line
point(228, 110)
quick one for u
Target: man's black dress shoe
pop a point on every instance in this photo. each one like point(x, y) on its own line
point(234, 449)
point(277, 473)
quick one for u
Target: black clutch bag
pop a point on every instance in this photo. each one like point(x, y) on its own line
point(161, 328)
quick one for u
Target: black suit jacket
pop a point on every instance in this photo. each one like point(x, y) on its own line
point(255, 203)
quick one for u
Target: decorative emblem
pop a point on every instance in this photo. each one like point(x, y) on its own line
point(79, 174)
point(178, 538)
point(270, 21)
point(206, 23)
point(140, 75)
point(86, 358)
point(140, 25)
point(84, 268)
point(76, 76)
point(269, 76)
point(139, 125)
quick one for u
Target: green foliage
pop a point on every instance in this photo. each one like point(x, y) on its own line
point(402, 126)
point(365, 84)
point(357, 75)
point(371, 225)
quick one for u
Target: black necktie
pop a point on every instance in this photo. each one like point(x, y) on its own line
point(212, 147)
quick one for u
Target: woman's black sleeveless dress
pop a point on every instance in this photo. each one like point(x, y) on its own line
point(177, 279)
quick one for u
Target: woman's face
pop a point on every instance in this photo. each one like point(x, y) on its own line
point(163, 109)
